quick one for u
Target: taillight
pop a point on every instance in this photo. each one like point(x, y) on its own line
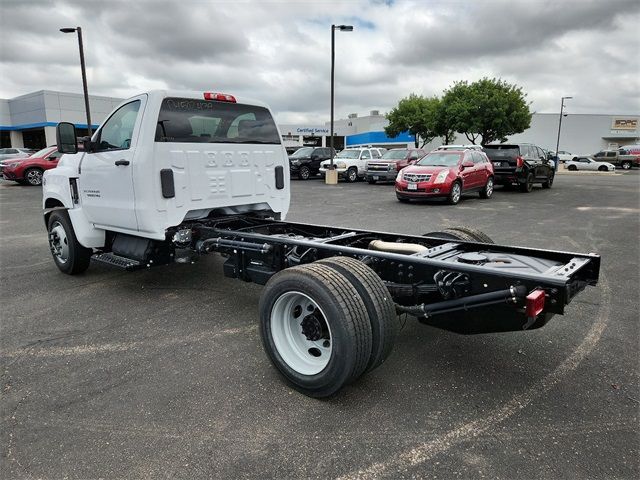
point(519, 162)
point(220, 97)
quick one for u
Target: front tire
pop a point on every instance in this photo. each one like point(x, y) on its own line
point(351, 175)
point(69, 256)
point(455, 194)
point(572, 168)
point(626, 165)
point(466, 234)
point(304, 173)
point(33, 177)
point(402, 199)
point(314, 328)
point(549, 182)
point(603, 168)
point(487, 191)
point(372, 181)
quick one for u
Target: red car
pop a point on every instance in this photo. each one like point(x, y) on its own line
point(446, 173)
point(28, 171)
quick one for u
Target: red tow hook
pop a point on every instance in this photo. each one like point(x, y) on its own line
point(534, 305)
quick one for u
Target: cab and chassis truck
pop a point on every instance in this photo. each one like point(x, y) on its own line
point(172, 176)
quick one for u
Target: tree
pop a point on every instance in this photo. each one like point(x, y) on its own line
point(416, 114)
point(486, 110)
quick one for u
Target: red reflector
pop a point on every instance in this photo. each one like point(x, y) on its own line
point(535, 303)
point(220, 97)
point(519, 162)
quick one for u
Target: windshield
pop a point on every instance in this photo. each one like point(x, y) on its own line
point(41, 153)
point(395, 155)
point(440, 159)
point(302, 152)
point(349, 154)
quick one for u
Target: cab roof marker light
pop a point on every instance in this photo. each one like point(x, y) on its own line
point(220, 97)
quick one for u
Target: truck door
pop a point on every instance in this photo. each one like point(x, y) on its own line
point(365, 156)
point(106, 179)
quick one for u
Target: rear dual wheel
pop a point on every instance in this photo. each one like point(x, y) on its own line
point(325, 324)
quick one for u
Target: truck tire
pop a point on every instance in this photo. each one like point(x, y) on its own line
point(69, 256)
point(304, 173)
point(626, 165)
point(372, 181)
point(314, 328)
point(487, 191)
point(549, 182)
point(380, 306)
point(466, 234)
point(351, 175)
point(527, 186)
point(33, 177)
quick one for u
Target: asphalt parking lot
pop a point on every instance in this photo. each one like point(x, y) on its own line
point(160, 373)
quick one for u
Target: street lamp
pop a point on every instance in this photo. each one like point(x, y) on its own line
point(331, 176)
point(560, 124)
point(84, 73)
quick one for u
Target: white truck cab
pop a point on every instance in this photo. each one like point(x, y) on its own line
point(162, 157)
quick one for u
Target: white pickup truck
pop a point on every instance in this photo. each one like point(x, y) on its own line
point(170, 176)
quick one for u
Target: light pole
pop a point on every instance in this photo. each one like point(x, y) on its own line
point(560, 125)
point(331, 176)
point(84, 73)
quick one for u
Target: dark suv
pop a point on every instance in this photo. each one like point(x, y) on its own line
point(521, 164)
point(305, 161)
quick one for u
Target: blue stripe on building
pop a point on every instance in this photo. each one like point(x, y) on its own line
point(370, 138)
point(27, 126)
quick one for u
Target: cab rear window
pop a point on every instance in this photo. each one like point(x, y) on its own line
point(187, 120)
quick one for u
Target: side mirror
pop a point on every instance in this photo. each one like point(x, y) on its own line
point(467, 164)
point(66, 138)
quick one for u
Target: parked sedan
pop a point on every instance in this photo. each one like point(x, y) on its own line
point(29, 170)
point(586, 163)
point(9, 153)
point(446, 173)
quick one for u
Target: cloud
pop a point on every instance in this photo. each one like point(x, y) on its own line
point(279, 51)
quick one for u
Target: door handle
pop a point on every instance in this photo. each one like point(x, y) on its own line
point(120, 163)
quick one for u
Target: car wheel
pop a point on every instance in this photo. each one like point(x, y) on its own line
point(527, 186)
point(351, 175)
point(33, 177)
point(549, 181)
point(69, 256)
point(573, 168)
point(626, 165)
point(603, 168)
point(487, 191)
point(455, 193)
point(402, 199)
point(372, 182)
point(304, 173)
point(315, 328)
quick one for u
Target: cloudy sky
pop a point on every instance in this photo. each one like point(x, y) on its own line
point(279, 51)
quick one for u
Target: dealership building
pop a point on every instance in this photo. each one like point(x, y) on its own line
point(30, 120)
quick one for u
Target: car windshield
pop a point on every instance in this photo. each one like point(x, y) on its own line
point(302, 152)
point(41, 153)
point(395, 155)
point(349, 154)
point(440, 159)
